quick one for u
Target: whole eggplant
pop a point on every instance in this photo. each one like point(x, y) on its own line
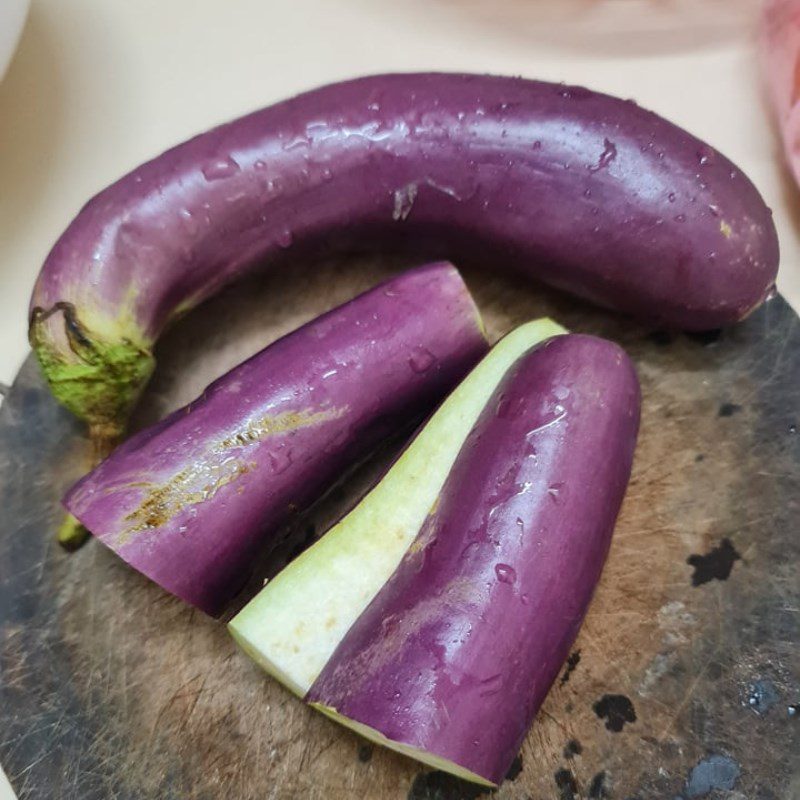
point(193, 500)
point(583, 191)
point(452, 659)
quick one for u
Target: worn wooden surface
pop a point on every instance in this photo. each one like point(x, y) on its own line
point(681, 680)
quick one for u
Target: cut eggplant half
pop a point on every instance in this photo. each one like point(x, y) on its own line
point(452, 659)
point(193, 501)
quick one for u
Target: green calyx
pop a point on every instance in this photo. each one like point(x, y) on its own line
point(98, 378)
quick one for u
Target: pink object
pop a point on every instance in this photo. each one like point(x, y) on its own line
point(780, 50)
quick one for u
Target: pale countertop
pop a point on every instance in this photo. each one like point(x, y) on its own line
point(99, 85)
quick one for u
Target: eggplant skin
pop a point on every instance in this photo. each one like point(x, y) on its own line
point(456, 653)
point(194, 500)
point(586, 192)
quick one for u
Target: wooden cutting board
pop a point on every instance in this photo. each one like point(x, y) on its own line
point(684, 678)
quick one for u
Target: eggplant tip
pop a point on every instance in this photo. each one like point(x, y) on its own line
point(71, 534)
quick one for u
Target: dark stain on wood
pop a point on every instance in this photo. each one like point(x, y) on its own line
point(566, 783)
point(728, 409)
point(572, 662)
point(571, 749)
point(714, 565)
point(597, 788)
point(616, 710)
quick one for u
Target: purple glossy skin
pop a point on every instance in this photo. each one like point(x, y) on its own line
point(270, 436)
point(458, 650)
point(584, 191)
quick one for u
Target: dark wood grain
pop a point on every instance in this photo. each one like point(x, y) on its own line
point(109, 688)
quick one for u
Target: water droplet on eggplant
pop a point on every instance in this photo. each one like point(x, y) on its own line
point(421, 360)
point(505, 573)
point(280, 460)
point(220, 168)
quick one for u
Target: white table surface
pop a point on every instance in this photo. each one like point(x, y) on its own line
point(99, 85)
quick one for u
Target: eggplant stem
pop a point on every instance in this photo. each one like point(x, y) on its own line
point(71, 534)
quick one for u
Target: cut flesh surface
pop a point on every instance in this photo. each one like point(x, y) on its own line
point(292, 627)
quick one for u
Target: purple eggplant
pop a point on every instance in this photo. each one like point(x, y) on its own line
point(583, 191)
point(193, 500)
point(452, 659)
